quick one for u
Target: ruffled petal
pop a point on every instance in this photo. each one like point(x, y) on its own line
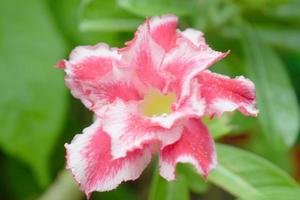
point(192, 106)
point(194, 36)
point(185, 61)
point(144, 55)
point(130, 130)
point(195, 146)
point(222, 94)
point(163, 30)
point(94, 76)
point(89, 158)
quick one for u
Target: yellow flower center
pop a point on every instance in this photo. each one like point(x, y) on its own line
point(155, 103)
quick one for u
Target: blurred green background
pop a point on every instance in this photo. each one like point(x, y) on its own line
point(258, 158)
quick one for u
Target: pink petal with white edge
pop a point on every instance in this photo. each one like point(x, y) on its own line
point(130, 130)
point(185, 61)
point(89, 158)
point(195, 146)
point(144, 55)
point(195, 36)
point(222, 94)
point(94, 76)
point(163, 30)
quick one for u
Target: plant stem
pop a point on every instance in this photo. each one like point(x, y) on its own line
point(64, 187)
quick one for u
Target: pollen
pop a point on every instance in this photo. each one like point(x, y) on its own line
point(155, 103)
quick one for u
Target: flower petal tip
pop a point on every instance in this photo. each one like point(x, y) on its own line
point(61, 64)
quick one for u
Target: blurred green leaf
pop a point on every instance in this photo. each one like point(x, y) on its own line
point(281, 194)
point(102, 15)
point(66, 13)
point(261, 4)
point(18, 179)
point(288, 11)
point(241, 124)
point(109, 24)
point(163, 190)
point(195, 182)
point(146, 8)
point(247, 175)
point(122, 192)
point(33, 95)
point(218, 126)
point(64, 187)
point(277, 102)
point(278, 36)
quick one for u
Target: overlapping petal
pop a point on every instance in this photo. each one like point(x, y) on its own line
point(144, 55)
point(187, 60)
point(192, 106)
point(163, 31)
point(130, 130)
point(195, 36)
point(223, 94)
point(195, 146)
point(92, 165)
point(94, 76)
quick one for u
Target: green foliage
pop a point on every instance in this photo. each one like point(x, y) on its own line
point(218, 126)
point(157, 7)
point(277, 36)
point(164, 190)
point(195, 182)
point(35, 34)
point(112, 18)
point(279, 114)
point(33, 97)
point(249, 176)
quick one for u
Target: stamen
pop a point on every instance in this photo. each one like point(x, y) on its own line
point(155, 103)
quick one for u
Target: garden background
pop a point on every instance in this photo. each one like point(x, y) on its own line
point(259, 158)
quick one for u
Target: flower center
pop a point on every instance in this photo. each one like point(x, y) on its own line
point(155, 103)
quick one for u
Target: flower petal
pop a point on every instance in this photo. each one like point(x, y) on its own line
point(94, 76)
point(89, 158)
point(222, 94)
point(185, 61)
point(192, 106)
point(129, 130)
point(163, 30)
point(194, 36)
point(195, 146)
point(144, 55)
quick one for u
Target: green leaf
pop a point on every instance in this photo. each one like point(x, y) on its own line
point(281, 194)
point(122, 192)
point(146, 8)
point(102, 15)
point(195, 182)
point(289, 11)
point(164, 190)
point(25, 187)
point(109, 24)
point(67, 18)
point(247, 175)
point(277, 102)
point(64, 187)
point(33, 95)
point(218, 126)
point(260, 4)
point(278, 36)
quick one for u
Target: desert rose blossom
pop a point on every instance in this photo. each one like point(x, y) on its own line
point(149, 97)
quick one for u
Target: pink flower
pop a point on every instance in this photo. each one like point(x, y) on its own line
point(149, 97)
